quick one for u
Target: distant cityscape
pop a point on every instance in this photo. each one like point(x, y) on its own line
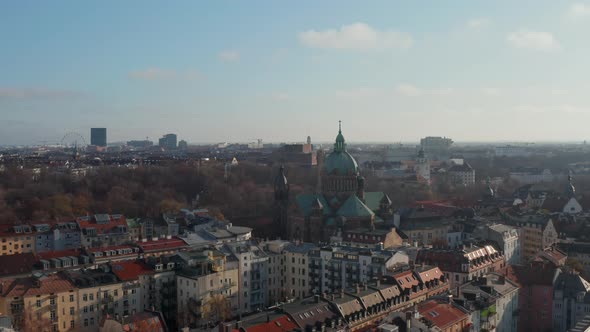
point(396, 237)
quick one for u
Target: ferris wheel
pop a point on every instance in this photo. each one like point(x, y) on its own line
point(73, 139)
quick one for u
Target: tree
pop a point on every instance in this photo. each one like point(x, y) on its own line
point(33, 321)
point(574, 264)
point(217, 309)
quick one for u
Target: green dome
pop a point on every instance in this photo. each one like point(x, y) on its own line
point(339, 161)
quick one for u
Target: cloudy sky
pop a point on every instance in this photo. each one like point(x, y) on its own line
point(215, 71)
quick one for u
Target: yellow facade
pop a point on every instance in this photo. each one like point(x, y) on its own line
point(11, 244)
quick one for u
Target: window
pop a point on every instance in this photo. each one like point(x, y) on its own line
point(91, 297)
point(85, 322)
point(52, 301)
point(38, 303)
point(116, 292)
point(85, 309)
point(91, 321)
point(71, 310)
point(72, 324)
point(71, 298)
point(85, 297)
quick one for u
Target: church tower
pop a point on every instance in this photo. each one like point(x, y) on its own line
point(281, 204)
point(422, 167)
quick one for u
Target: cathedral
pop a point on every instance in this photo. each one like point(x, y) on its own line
point(340, 202)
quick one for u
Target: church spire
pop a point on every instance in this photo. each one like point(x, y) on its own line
point(339, 146)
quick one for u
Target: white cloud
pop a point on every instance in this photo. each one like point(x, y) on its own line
point(356, 36)
point(152, 74)
point(37, 93)
point(478, 23)
point(229, 56)
point(533, 40)
point(408, 90)
point(579, 10)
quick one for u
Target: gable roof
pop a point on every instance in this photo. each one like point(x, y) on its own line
point(16, 264)
point(354, 207)
point(305, 203)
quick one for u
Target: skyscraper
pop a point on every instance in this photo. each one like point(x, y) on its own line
point(168, 141)
point(98, 136)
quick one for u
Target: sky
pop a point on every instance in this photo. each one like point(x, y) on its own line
point(235, 71)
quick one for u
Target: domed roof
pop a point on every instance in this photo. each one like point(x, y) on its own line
point(340, 162)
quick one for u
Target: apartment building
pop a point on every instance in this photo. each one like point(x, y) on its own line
point(41, 301)
point(206, 287)
point(16, 239)
point(461, 266)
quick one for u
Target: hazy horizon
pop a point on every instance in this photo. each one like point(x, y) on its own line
point(233, 72)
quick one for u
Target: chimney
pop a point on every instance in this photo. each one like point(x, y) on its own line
point(378, 282)
point(415, 310)
point(358, 288)
point(450, 298)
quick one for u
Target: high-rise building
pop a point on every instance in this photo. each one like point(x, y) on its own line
point(98, 136)
point(168, 141)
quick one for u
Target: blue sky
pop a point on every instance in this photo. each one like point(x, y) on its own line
point(214, 71)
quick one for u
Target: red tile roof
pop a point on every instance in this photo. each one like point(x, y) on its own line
point(60, 253)
point(127, 271)
point(17, 264)
point(406, 279)
point(442, 314)
point(281, 324)
point(114, 221)
point(26, 286)
point(162, 244)
point(528, 275)
point(92, 250)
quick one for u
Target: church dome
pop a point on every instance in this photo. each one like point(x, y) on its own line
point(340, 162)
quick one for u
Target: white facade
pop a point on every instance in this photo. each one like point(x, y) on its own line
point(572, 206)
point(530, 176)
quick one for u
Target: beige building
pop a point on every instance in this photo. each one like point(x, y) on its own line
point(536, 234)
point(16, 239)
point(297, 284)
point(41, 302)
point(101, 293)
point(205, 288)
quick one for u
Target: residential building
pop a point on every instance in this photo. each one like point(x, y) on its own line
point(297, 269)
point(505, 236)
point(535, 295)
point(207, 282)
point(580, 251)
point(537, 232)
point(157, 247)
point(462, 174)
point(463, 265)
point(101, 293)
point(102, 230)
point(16, 239)
point(56, 236)
point(445, 315)
point(334, 267)
point(571, 300)
point(493, 302)
point(253, 264)
point(41, 301)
